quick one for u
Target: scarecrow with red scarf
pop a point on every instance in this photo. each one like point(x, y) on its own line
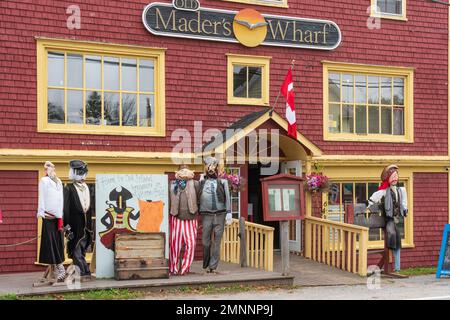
point(392, 202)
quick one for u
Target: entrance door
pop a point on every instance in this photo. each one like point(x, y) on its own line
point(294, 168)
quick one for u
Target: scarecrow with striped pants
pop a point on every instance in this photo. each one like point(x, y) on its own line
point(183, 220)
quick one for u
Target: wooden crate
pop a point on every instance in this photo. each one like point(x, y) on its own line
point(140, 256)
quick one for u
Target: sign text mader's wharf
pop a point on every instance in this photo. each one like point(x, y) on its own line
point(221, 25)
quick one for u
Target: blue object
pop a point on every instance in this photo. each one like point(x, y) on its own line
point(443, 268)
point(397, 260)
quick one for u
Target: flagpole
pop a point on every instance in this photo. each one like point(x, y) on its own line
point(279, 92)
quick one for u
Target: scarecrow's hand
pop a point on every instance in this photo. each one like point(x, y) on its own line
point(229, 218)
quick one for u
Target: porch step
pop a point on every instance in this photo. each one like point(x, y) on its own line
point(229, 275)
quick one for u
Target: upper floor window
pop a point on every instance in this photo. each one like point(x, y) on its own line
point(391, 9)
point(269, 3)
point(367, 103)
point(248, 80)
point(100, 89)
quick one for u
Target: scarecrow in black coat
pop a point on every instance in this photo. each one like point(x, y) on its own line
point(78, 215)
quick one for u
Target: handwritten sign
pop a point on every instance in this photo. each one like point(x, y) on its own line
point(122, 202)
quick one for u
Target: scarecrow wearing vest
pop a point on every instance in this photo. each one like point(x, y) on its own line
point(391, 200)
point(215, 209)
point(183, 220)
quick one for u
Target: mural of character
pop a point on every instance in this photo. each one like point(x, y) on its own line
point(118, 217)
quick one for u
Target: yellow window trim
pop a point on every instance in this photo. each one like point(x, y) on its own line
point(251, 61)
point(343, 174)
point(375, 14)
point(353, 68)
point(158, 54)
point(267, 3)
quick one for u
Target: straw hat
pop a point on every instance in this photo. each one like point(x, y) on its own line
point(387, 171)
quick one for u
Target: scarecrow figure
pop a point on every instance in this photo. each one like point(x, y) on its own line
point(183, 219)
point(215, 209)
point(78, 215)
point(50, 209)
point(392, 202)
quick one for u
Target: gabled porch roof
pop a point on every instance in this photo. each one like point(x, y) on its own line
point(245, 125)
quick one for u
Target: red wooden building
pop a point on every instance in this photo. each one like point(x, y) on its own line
point(116, 83)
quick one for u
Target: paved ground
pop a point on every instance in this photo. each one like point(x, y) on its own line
point(229, 274)
point(306, 273)
point(419, 287)
point(310, 273)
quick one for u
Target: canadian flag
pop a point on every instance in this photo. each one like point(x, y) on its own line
point(287, 90)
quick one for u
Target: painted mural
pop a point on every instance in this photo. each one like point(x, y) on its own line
point(127, 203)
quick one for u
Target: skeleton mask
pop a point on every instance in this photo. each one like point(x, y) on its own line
point(211, 166)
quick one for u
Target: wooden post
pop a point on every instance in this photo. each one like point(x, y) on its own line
point(362, 264)
point(307, 239)
point(387, 255)
point(243, 243)
point(284, 230)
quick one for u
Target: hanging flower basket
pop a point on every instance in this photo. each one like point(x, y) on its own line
point(317, 182)
point(235, 181)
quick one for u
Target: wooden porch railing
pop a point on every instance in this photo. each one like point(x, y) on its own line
point(337, 244)
point(258, 241)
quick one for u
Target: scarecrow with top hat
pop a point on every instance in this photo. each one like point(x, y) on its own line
point(391, 200)
point(78, 215)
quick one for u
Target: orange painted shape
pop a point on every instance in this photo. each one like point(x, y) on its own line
point(151, 216)
point(249, 27)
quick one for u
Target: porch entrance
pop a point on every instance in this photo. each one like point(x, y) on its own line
point(255, 213)
point(255, 140)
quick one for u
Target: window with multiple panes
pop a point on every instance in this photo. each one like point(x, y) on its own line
point(270, 3)
point(390, 6)
point(248, 80)
point(101, 90)
point(368, 105)
point(394, 9)
point(342, 194)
